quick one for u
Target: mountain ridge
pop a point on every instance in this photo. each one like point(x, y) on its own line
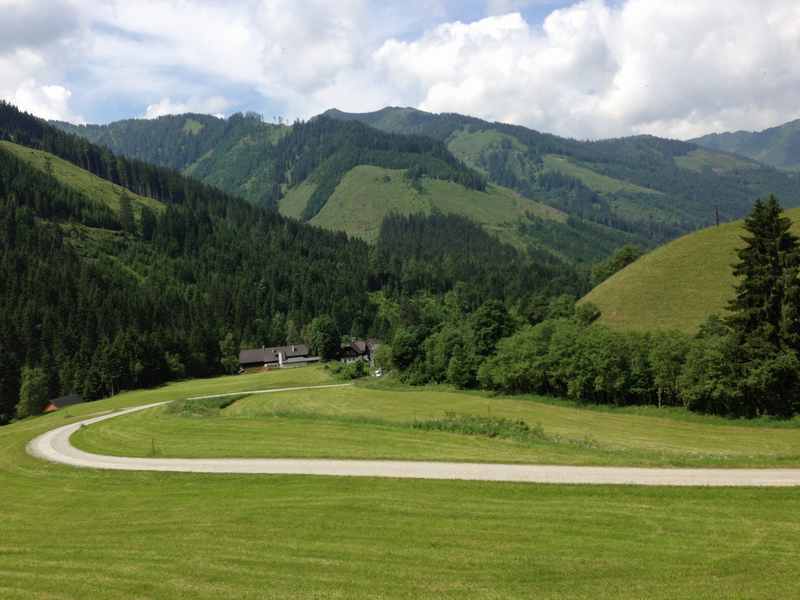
point(777, 146)
point(644, 189)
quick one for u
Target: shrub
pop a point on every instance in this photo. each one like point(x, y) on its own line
point(483, 426)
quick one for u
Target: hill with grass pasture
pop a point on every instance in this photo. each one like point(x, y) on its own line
point(678, 285)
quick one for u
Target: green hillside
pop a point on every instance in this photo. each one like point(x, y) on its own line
point(367, 194)
point(676, 286)
point(95, 302)
point(91, 186)
point(233, 154)
point(777, 146)
point(656, 189)
point(640, 189)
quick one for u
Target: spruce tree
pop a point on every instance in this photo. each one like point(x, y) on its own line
point(769, 254)
point(126, 218)
point(765, 315)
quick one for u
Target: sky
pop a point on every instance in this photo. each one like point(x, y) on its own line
point(590, 69)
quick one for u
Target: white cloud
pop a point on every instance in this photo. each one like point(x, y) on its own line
point(214, 105)
point(46, 101)
point(670, 68)
point(593, 69)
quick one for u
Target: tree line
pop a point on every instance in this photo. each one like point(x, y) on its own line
point(743, 365)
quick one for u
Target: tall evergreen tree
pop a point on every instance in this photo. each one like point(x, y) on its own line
point(765, 315)
point(770, 252)
point(126, 213)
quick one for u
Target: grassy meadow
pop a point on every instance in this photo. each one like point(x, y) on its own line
point(375, 421)
point(678, 285)
point(75, 533)
point(367, 194)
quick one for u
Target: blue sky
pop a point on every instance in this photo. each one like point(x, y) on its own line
point(589, 69)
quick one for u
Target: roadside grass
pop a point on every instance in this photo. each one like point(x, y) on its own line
point(375, 422)
point(678, 285)
point(82, 533)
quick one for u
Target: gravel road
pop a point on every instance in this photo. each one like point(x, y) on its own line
point(55, 446)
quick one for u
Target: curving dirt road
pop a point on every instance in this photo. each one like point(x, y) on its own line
point(55, 446)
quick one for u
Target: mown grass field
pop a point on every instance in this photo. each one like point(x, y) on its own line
point(99, 190)
point(73, 533)
point(678, 285)
point(367, 194)
point(376, 422)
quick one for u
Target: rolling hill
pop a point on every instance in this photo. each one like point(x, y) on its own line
point(777, 146)
point(678, 285)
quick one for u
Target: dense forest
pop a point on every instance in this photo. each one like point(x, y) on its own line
point(95, 300)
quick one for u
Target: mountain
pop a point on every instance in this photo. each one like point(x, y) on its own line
point(115, 273)
point(777, 146)
point(231, 154)
point(559, 197)
point(348, 177)
point(651, 187)
point(678, 285)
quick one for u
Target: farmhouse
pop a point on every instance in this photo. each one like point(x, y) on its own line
point(63, 401)
point(293, 355)
point(359, 350)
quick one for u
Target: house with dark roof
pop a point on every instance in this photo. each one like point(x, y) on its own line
point(359, 350)
point(277, 357)
point(63, 401)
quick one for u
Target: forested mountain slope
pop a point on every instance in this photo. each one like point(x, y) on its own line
point(99, 299)
point(777, 146)
point(233, 154)
point(641, 189)
point(651, 187)
point(365, 173)
point(678, 285)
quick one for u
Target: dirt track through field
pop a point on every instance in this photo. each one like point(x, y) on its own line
point(55, 446)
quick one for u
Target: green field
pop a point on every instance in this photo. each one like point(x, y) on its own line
point(367, 194)
point(94, 188)
point(371, 421)
point(678, 285)
point(73, 533)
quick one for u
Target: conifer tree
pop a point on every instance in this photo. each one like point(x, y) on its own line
point(770, 252)
point(126, 218)
point(765, 315)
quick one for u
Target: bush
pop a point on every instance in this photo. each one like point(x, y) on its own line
point(483, 426)
point(349, 371)
point(33, 392)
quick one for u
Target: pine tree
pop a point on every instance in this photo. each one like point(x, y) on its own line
point(765, 315)
point(126, 213)
point(770, 251)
